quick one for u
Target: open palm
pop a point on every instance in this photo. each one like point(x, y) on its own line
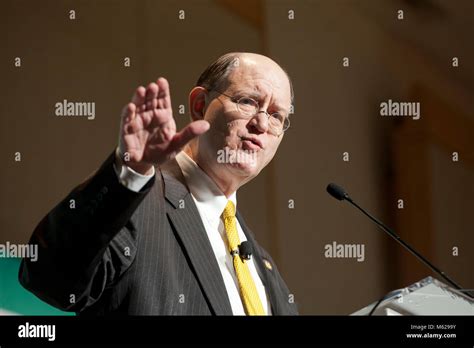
point(148, 134)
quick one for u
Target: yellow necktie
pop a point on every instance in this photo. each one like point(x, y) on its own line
point(248, 290)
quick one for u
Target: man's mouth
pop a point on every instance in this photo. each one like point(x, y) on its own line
point(252, 143)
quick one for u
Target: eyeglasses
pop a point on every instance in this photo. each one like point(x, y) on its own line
point(249, 108)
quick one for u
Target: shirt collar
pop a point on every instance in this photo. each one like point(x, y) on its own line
point(203, 188)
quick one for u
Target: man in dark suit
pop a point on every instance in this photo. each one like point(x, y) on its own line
point(155, 230)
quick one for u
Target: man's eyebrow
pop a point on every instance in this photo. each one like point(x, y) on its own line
point(281, 108)
point(252, 94)
point(257, 95)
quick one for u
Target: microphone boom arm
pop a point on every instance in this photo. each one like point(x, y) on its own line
point(407, 246)
point(340, 194)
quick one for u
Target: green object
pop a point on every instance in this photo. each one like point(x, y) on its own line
point(15, 298)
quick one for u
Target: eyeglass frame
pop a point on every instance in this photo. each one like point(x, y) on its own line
point(283, 130)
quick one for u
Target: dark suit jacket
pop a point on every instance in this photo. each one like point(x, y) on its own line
point(107, 250)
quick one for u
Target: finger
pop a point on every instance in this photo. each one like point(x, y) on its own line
point(159, 118)
point(128, 112)
point(130, 123)
point(164, 95)
point(139, 96)
point(188, 133)
point(150, 96)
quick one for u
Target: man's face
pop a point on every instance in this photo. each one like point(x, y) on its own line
point(241, 146)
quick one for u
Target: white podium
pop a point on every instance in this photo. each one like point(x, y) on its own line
point(426, 297)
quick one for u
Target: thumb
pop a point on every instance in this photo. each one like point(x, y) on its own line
point(188, 133)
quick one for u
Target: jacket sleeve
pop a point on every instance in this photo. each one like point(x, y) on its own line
point(85, 243)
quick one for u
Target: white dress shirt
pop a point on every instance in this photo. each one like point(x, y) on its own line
point(210, 202)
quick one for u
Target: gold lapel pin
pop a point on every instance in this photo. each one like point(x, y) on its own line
point(267, 264)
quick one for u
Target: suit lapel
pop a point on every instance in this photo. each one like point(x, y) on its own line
point(191, 231)
point(261, 269)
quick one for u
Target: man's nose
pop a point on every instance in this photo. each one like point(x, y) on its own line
point(260, 121)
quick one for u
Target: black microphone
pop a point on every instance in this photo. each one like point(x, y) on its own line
point(339, 193)
point(245, 250)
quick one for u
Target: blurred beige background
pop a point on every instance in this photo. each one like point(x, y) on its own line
point(336, 111)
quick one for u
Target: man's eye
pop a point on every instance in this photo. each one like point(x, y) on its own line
point(277, 116)
point(247, 101)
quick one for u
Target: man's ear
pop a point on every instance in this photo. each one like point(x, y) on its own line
point(197, 103)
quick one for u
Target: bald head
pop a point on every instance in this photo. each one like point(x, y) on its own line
point(219, 73)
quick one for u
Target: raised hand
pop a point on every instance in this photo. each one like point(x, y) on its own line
point(147, 136)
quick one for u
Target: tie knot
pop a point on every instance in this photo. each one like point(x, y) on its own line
point(229, 210)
